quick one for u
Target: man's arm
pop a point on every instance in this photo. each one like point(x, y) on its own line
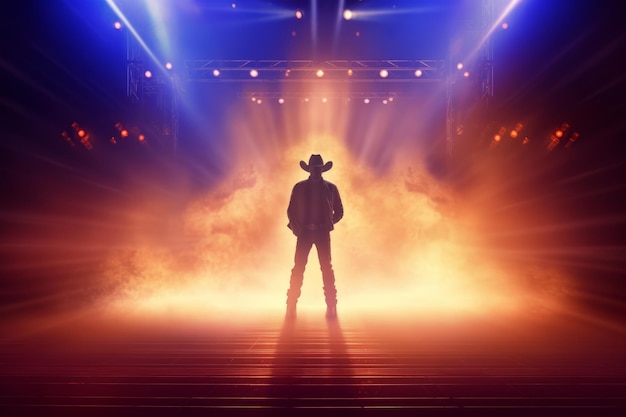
point(337, 205)
point(292, 210)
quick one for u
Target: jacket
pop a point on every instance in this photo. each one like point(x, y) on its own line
point(297, 210)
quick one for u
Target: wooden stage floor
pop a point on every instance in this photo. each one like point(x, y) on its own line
point(113, 365)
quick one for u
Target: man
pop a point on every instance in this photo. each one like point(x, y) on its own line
point(314, 208)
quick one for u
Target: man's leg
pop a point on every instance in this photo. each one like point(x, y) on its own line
point(303, 247)
point(328, 275)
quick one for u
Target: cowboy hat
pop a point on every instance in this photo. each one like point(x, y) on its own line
point(317, 162)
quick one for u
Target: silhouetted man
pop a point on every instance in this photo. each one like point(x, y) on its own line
point(314, 208)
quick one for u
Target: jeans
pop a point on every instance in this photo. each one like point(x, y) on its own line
point(321, 240)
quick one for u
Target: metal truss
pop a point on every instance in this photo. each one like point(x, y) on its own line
point(317, 96)
point(307, 70)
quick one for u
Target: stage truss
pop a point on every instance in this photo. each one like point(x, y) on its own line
point(161, 91)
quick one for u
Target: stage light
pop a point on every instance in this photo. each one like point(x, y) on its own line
point(141, 137)
point(281, 100)
point(319, 73)
point(350, 73)
point(561, 130)
point(124, 133)
point(254, 73)
point(498, 136)
point(515, 131)
point(418, 73)
point(148, 74)
point(347, 14)
point(390, 99)
point(324, 100)
point(168, 65)
point(466, 74)
point(366, 101)
point(259, 101)
point(287, 73)
point(383, 73)
point(385, 101)
point(505, 25)
point(459, 66)
point(299, 14)
point(216, 73)
point(82, 135)
point(117, 25)
point(233, 5)
point(253, 98)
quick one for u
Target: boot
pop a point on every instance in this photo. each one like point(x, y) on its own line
point(331, 311)
point(291, 311)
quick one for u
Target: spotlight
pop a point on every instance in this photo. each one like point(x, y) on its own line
point(141, 137)
point(306, 99)
point(466, 74)
point(287, 73)
point(148, 74)
point(254, 73)
point(505, 25)
point(498, 136)
point(350, 73)
point(459, 66)
point(233, 5)
point(324, 100)
point(253, 98)
point(418, 73)
point(385, 101)
point(383, 73)
point(515, 131)
point(281, 100)
point(216, 72)
point(117, 25)
point(259, 101)
point(82, 135)
point(299, 14)
point(366, 101)
point(561, 130)
point(168, 65)
point(347, 14)
point(124, 133)
point(319, 73)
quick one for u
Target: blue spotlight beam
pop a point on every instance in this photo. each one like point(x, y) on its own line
point(136, 35)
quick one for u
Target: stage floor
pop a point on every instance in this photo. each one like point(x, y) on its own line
point(97, 364)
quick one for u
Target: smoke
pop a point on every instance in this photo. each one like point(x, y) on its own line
point(408, 241)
